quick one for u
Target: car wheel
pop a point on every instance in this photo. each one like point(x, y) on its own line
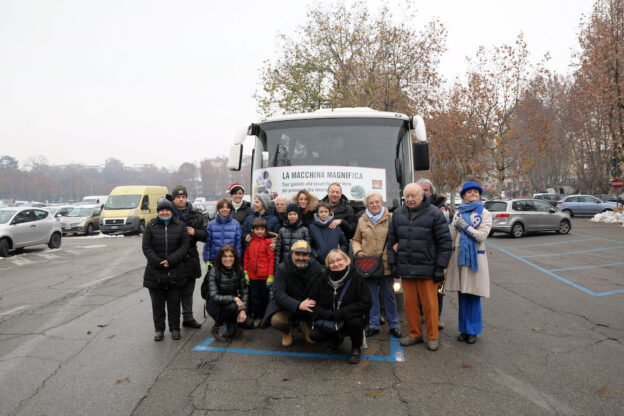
point(141, 227)
point(564, 227)
point(569, 212)
point(89, 229)
point(4, 247)
point(55, 241)
point(517, 230)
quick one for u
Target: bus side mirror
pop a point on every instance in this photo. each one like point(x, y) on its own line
point(421, 155)
point(236, 157)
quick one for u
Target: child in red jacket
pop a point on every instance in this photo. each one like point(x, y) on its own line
point(259, 269)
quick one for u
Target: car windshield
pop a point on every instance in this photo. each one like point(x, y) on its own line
point(80, 212)
point(496, 206)
point(122, 202)
point(5, 215)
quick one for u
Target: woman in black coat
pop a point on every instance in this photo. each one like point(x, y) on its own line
point(226, 292)
point(352, 311)
point(165, 244)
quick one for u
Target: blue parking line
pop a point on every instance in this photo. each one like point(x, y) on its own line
point(550, 244)
point(586, 267)
point(573, 252)
point(397, 354)
point(550, 273)
point(598, 238)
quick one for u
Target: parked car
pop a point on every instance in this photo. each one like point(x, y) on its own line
point(584, 205)
point(83, 219)
point(517, 217)
point(59, 210)
point(552, 199)
point(24, 226)
point(611, 198)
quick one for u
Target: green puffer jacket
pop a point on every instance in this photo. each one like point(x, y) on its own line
point(221, 287)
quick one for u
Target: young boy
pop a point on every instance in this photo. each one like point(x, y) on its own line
point(259, 269)
point(291, 231)
point(324, 238)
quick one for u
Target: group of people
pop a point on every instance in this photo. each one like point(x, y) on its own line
point(285, 264)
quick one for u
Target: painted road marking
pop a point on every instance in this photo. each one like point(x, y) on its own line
point(550, 273)
point(397, 354)
point(550, 244)
point(48, 256)
point(21, 261)
point(11, 311)
point(598, 238)
point(572, 252)
point(586, 267)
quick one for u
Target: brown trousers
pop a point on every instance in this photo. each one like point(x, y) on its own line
point(416, 291)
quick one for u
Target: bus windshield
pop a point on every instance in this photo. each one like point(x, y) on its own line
point(352, 142)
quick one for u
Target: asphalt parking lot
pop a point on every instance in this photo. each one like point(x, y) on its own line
point(76, 338)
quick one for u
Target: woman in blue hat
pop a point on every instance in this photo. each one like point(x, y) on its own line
point(468, 272)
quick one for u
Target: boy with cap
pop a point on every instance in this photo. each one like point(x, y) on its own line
point(259, 270)
point(291, 231)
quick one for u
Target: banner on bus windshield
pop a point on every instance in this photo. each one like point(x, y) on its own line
point(288, 180)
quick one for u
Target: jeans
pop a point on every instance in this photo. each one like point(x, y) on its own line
point(389, 300)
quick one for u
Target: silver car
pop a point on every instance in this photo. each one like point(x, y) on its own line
point(520, 216)
point(24, 226)
point(82, 219)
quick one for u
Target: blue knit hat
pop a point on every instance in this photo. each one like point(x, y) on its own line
point(293, 208)
point(468, 186)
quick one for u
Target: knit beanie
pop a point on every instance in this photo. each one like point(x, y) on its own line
point(164, 203)
point(293, 208)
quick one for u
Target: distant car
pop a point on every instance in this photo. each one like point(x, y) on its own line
point(611, 198)
point(552, 199)
point(59, 210)
point(587, 205)
point(517, 217)
point(24, 226)
point(83, 219)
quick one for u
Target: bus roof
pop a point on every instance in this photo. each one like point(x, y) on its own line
point(346, 112)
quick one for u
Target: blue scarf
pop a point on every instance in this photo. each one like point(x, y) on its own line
point(166, 221)
point(183, 215)
point(224, 220)
point(375, 218)
point(468, 245)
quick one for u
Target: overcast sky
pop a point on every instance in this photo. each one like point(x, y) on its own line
point(168, 82)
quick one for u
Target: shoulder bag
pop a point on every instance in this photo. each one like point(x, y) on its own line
point(371, 267)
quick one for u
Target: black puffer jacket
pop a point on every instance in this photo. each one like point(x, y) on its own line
point(243, 212)
point(164, 242)
point(195, 220)
point(424, 241)
point(222, 286)
point(288, 234)
point(344, 211)
point(291, 286)
point(355, 303)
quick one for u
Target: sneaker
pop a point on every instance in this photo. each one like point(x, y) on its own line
point(191, 324)
point(395, 332)
point(371, 332)
point(354, 358)
point(433, 344)
point(159, 336)
point(175, 334)
point(462, 337)
point(305, 330)
point(230, 330)
point(408, 341)
point(217, 333)
point(287, 339)
point(471, 339)
point(440, 323)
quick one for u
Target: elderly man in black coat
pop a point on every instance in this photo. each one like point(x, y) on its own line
point(344, 216)
point(421, 250)
point(290, 304)
point(194, 222)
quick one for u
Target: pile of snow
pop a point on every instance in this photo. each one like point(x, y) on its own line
point(609, 217)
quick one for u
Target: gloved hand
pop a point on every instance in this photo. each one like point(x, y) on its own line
point(461, 223)
point(247, 277)
point(325, 314)
point(270, 280)
point(438, 274)
point(208, 265)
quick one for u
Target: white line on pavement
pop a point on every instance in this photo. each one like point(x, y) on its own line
point(11, 311)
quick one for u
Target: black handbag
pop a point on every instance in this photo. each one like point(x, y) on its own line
point(371, 267)
point(327, 325)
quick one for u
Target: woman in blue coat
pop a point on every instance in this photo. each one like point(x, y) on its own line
point(222, 230)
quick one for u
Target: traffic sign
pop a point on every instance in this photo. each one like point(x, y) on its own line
point(616, 183)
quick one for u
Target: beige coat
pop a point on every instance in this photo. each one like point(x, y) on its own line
point(462, 278)
point(369, 239)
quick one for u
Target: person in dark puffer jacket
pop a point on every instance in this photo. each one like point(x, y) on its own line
point(240, 209)
point(194, 221)
point(165, 245)
point(291, 231)
point(222, 230)
point(344, 215)
point(226, 292)
point(325, 238)
point(420, 243)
